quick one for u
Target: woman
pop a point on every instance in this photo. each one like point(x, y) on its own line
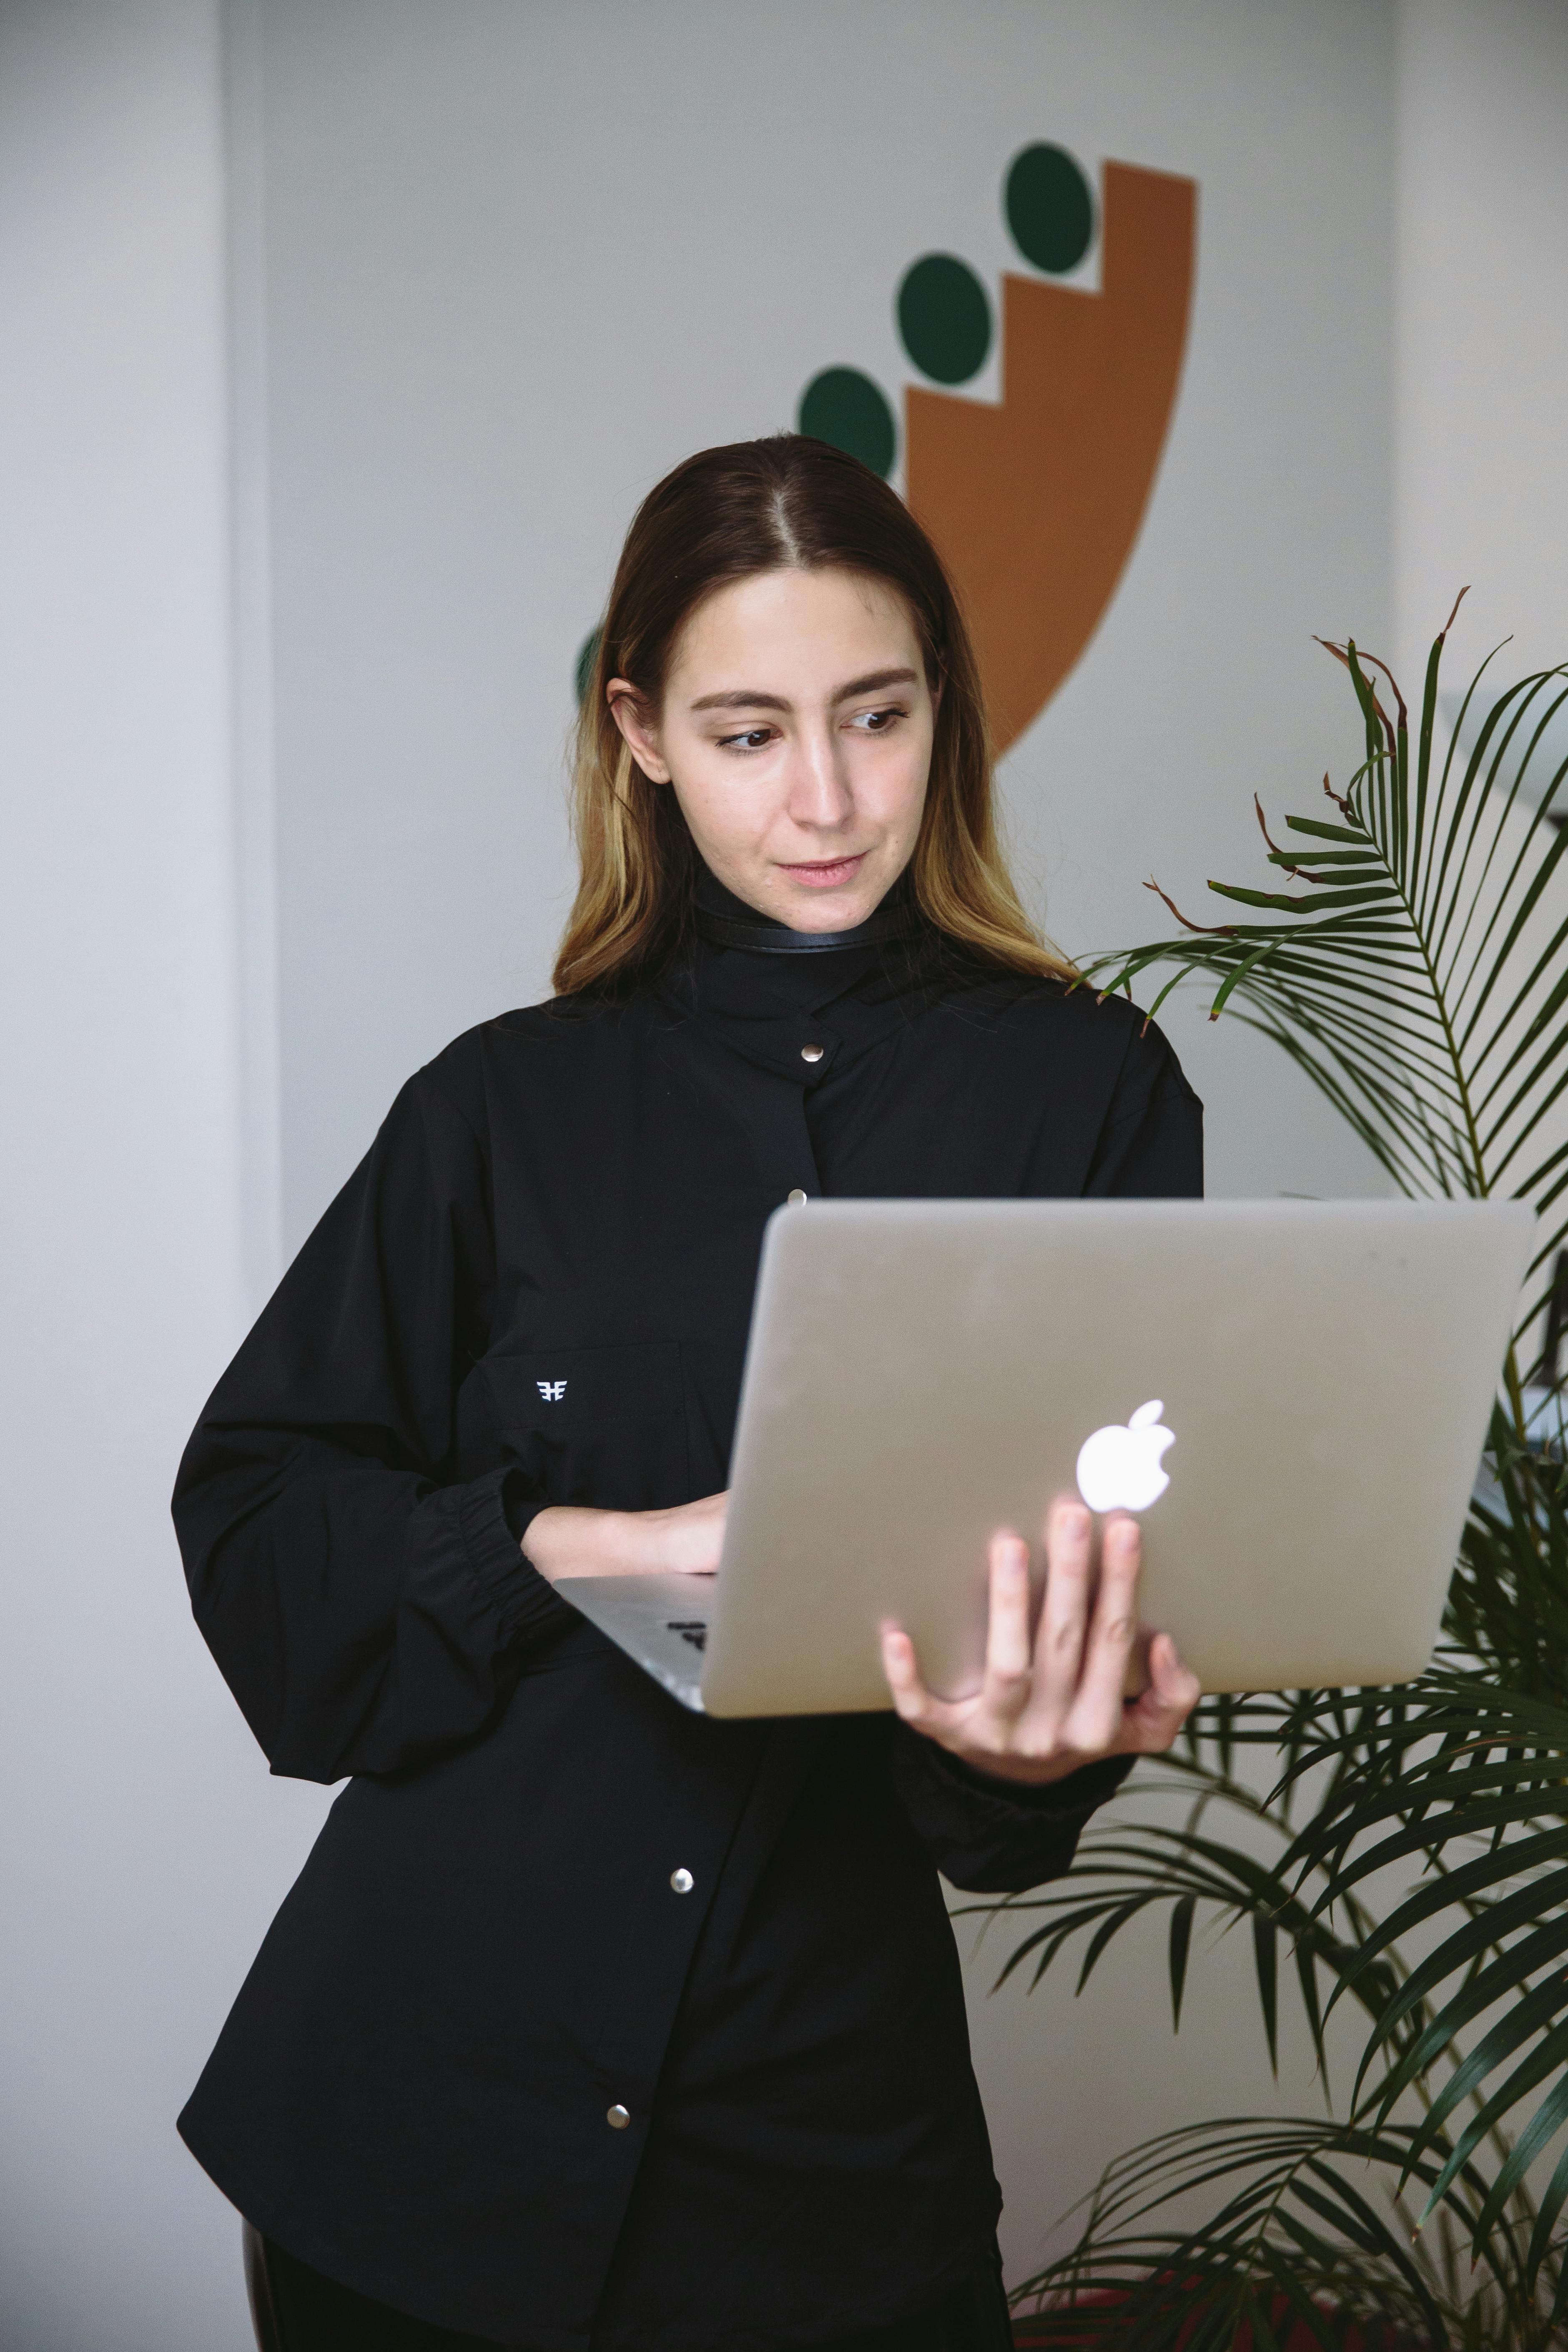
point(590, 2020)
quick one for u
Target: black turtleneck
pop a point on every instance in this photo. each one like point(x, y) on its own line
point(899, 1011)
point(536, 1289)
point(726, 922)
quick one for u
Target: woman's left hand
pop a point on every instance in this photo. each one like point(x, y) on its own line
point(1054, 1702)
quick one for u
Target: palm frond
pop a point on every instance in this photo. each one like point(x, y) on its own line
point(1416, 968)
point(1310, 2229)
point(1411, 957)
point(1123, 1874)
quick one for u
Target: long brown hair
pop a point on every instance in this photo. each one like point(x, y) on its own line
point(725, 515)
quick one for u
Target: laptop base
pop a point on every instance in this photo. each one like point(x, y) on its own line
point(661, 1622)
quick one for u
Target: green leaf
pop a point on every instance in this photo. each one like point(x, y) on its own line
point(1361, 896)
point(1266, 1959)
point(1182, 1919)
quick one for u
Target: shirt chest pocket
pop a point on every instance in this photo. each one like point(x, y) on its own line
point(604, 1426)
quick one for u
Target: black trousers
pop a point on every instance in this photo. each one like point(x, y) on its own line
point(298, 2310)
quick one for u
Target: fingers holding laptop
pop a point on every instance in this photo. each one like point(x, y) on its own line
point(1053, 1697)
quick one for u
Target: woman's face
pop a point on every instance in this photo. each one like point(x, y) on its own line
point(796, 735)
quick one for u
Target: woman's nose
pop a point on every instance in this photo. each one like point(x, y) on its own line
point(820, 785)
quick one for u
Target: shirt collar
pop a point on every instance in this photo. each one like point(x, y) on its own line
point(837, 1001)
point(726, 922)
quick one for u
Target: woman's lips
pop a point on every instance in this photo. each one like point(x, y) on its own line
point(820, 874)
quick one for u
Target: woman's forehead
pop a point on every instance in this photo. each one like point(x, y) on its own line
point(818, 628)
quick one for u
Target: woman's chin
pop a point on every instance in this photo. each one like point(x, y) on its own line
point(836, 902)
point(827, 910)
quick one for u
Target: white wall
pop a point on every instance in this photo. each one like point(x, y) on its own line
point(1482, 332)
point(141, 1846)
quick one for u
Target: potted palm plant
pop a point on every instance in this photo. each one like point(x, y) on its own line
point(1411, 955)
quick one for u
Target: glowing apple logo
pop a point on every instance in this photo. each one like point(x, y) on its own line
point(1118, 1468)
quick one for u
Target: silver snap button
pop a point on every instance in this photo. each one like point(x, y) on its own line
point(796, 1197)
point(618, 2116)
point(682, 1881)
point(812, 1053)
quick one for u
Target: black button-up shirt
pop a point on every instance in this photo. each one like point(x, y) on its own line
point(486, 1952)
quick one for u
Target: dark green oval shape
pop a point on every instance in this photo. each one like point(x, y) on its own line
point(588, 655)
point(845, 409)
point(944, 318)
point(1049, 209)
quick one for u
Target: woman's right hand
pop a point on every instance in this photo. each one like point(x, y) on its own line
point(566, 1541)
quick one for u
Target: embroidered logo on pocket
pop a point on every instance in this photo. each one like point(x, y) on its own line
point(551, 1390)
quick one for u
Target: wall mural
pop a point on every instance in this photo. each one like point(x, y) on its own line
point(1035, 500)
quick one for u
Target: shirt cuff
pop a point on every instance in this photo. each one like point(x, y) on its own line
point(494, 1515)
point(1076, 1795)
point(521, 1505)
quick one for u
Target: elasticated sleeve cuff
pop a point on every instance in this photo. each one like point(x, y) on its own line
point(494, 1516)
point(991, 1836)
point(1074, 1798)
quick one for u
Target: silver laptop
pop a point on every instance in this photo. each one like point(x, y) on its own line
point(1292, 1395)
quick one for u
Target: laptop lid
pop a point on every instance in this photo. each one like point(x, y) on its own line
point(1293, 1394)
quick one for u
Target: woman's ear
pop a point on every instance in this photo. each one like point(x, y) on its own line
point(631, 719)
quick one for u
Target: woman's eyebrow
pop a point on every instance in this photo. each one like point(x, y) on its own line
point(874, 680)
point(744, 698)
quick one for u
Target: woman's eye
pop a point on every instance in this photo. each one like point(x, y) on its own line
point(752, 739)
point(876, 723)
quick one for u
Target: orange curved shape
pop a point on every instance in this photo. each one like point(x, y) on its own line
point(1035, 503)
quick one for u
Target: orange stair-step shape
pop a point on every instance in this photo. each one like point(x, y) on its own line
point(1035, 503)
